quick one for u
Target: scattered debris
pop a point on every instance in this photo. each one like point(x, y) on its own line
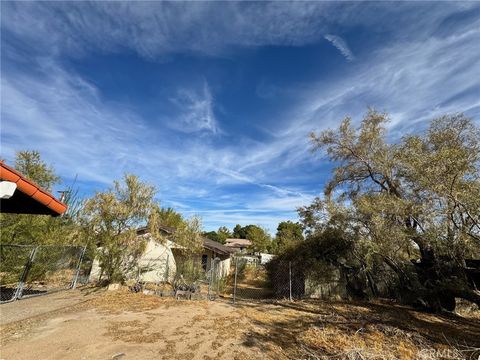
point(118, 356)
point(113, 287)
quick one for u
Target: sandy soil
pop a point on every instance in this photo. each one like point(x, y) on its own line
point(123, 325)
point(34, 306)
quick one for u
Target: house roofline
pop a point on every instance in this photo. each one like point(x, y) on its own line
point(49, 205)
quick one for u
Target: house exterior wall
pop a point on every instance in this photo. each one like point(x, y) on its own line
point(95, 271)
point(223, 265)
point(159, 263)
point(156, 264)
point(266, 258)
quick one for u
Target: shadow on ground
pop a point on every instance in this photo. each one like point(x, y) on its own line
point(309, 329)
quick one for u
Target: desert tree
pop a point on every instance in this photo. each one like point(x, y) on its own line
point(416, 200)
point(110, 221)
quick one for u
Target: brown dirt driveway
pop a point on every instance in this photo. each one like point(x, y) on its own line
point(88, 324)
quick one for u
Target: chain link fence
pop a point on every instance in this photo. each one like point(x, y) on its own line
point(35, 270)
point(27, 270)
point(215, 279)
point(188, 277)
point(252, 280)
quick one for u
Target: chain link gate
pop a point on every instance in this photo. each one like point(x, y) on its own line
point(14, 260)
point(252, 280)
point(214, 278)
point(27, 270)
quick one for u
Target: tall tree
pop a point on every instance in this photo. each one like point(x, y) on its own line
point(30, 164)
point(168, 217)
point(289, 234)
point(111, 219)
point(223, 234)
point(220, 235)
point(239, 232)
point(420, 197)
point(212, 235)
point(260, 238)
point(188, 235)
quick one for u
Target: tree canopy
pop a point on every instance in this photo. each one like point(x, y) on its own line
point(260, 238)
point(110, 220)
point(30, 164)
point(239, 232)
point(220, 235)
point(167, 217)
point(416, 200)
point(288, 235)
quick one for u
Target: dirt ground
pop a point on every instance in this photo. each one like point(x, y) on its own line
point(87, 324)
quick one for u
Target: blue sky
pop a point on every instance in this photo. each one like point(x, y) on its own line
point(212, 102)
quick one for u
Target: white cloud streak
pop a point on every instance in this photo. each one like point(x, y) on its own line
point(341, 45)
point(65, 117)
point(157, 29)
point(195, 111)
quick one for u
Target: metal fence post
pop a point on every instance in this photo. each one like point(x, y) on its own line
point(290, 278)
point(77, 272)
point(219, 275)
point(235, 283)
point(26, 270)
point(166, 268)
point(209, 274)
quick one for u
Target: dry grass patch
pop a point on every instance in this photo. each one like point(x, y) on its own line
point(118, 301)
point(321, 330)
point(468, 310)
point(371, 342)
point(132, 332)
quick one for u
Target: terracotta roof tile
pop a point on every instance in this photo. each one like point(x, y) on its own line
point(52, 205)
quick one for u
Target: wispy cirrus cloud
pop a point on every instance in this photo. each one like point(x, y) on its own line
point(341, 45)
point(156, 30)
point(427, 69)
point(65, 117)
point(195, 110)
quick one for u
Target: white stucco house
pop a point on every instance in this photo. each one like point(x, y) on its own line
point(161, 258)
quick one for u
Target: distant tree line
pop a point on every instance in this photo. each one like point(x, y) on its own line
point(288, 234)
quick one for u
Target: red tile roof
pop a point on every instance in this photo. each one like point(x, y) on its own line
point(49, 205)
